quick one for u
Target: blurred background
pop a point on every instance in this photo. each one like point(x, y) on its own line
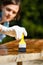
point(31, 17)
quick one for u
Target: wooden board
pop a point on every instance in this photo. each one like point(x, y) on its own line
point(32, 46)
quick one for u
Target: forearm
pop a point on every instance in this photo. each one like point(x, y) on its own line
point(14, 31)
point(3, 28)
point(8, 31)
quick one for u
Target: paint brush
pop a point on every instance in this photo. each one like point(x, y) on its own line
point(22, 44)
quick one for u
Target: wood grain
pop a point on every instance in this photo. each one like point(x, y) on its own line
point(11, 48)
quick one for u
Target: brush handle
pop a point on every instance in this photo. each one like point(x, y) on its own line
point(22, 36)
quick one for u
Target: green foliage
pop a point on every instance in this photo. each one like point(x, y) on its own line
point(7, 39)
point(32, 13)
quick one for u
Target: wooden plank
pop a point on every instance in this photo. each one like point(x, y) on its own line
point(32, 46)
point(20, 57)
point(34, 62)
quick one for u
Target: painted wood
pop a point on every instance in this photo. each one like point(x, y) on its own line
point(20, 58)
point(32, 46)
point(10, 56)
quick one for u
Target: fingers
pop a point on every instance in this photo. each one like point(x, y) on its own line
point(19, 32)
point(25, 32)
point(18, 35)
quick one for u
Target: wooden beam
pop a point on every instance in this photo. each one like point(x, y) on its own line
point(20, 58)
point(9, 51)
point(32, 46)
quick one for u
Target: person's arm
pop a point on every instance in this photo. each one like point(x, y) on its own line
point(7, 31)
point(14, 31)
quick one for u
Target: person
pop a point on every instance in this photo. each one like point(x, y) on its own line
point(10, 10)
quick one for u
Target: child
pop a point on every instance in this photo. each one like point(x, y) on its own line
point(10, 11)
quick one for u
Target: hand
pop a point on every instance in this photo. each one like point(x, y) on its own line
point(19, 31)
